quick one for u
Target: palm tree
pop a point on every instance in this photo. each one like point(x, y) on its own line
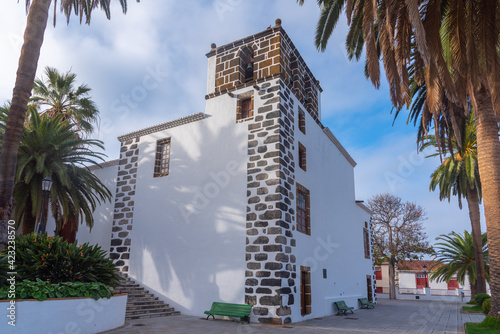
point(453, 47)
point(49, 147)
point(455, 256)
point(38, 13)
point(458, 175)
point(57, 95)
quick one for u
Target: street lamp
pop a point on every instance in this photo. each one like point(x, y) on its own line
point(46, 185)
point(425, 272)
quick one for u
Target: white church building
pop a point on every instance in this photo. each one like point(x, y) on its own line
point(251, 201)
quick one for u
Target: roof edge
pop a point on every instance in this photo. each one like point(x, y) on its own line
point(364, 207)
point(104, 164)
point(163, 126)
point(341, 148)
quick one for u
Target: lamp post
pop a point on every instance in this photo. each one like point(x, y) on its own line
point(46, 185)
point(425, 272)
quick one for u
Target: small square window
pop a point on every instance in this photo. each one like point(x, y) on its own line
point(302, 121)
point(302, 156)
point(162, 160)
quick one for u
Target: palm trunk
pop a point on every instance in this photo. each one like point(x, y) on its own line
point(475, 220)
point(473, 290)
point(488, 148)
point(29, 221)
point(68, 230)
point(392, 276)
point(28, 61)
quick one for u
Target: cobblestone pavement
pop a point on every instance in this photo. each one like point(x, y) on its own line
point(389, 316)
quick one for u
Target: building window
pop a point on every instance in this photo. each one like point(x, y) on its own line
point(246, 65)
point(366, 242)
point(162, 160)
point(378, 273)
point(303, 211)
point(244, 109)
point(302, 121)
point(302, 156)
point(305, 290)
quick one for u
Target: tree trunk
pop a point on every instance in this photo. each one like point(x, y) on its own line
point(488, 148)
point(26, 71)
point(475, 220)
point(29, 221)
point(473, 290)
point(392, 276)
point(68, 230)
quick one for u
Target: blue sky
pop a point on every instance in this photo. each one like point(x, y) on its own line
point(171, 38)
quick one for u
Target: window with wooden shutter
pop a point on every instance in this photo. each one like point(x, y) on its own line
point(303, 211)
point(244, 109)
point(302, 121)
point(302, 157)
point(366, 242)
point(162, 160)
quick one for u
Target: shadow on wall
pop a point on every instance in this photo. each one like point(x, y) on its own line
point(189, 230)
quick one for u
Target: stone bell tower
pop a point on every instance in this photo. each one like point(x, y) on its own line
point(274, 89)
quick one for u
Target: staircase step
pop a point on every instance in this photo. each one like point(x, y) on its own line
point(142, 304)
point(149, 310)
point(152, 315)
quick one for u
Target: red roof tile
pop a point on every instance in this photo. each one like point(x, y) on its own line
point(417, 265)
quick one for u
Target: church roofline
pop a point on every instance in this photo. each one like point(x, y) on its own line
point(163, 126)
point(104, 164)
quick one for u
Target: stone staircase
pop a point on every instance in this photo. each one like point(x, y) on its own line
point(140, 303)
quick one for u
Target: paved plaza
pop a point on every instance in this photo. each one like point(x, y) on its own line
point(389, 316)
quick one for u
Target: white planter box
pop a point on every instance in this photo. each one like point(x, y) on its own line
point(63, 315)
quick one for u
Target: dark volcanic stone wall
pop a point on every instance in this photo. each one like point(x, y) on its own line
point(270, 275)
point(123, 214)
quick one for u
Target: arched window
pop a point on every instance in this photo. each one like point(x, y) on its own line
point(246, 64)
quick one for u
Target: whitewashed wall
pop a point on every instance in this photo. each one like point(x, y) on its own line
point(336, 240)
point(103, 215)
point(188, 236)
point(407, 280)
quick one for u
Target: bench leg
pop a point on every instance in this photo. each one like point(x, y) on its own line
point(211, 315)
point(245, 318)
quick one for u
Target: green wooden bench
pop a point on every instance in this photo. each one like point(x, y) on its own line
point(365, 303)
point(342, 307)
point(241, 311)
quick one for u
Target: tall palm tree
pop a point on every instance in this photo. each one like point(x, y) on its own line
point(458, 175)
point(38, 13)
point(455, 256)
point(49, 147)
point(416, 35)
point(56, 94)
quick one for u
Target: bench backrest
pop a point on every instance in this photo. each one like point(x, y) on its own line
point(216, 306)
point(363, 300)
point(341, 304)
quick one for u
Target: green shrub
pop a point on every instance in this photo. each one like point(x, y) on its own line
point(486, 306)
point(52, 259)
point(4, 269)
point(480, 298)
point(42, 290)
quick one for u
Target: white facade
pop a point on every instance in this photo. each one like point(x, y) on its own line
point(222, 225)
